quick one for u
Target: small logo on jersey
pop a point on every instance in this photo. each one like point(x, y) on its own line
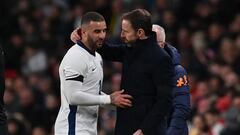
point(94, 69)
point(182, 81)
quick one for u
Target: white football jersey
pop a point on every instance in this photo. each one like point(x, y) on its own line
point(81, 76)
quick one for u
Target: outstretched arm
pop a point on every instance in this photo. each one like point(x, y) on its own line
point(109, 51)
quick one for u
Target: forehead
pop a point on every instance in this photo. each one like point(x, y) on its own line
point(126, 24)
point(98, 25)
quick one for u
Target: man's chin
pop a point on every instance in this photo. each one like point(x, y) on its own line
point(129, 42)
point(99, 45)
point(126, 41)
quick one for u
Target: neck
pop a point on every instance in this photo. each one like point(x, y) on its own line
point(143, 37)
point(87, 44)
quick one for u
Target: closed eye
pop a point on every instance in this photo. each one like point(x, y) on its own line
point(99, 31)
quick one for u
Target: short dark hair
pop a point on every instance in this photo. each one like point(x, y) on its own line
point(91, 16)
point(139, 18)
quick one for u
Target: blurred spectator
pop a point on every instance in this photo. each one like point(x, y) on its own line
point(34, 61)
point(199, 126)
point(117, 10)
point(214, 122)
point(52, 104)
point(16, 127)
point(215, 32)
point(232, 121)
point(29, 109)
point(39, 131)
point(13, 52)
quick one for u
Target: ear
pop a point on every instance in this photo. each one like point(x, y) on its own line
point(83, 32)
point(140, 33)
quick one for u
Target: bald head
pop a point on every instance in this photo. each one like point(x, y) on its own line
point(161, 36)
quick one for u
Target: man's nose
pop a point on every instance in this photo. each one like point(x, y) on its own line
point(102, 35)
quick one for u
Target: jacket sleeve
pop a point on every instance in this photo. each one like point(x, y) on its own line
point(181, 102)
point(162, 75)
point(112, 52)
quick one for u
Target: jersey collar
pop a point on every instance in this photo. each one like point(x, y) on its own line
point(84, 47)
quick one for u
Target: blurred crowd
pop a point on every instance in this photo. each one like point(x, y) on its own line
point(35, 36)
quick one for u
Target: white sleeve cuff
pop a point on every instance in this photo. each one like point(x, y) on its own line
point(105, 99)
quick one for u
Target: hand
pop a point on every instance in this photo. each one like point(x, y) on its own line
point(76, 35)
point(138, 132)
point(121, 100)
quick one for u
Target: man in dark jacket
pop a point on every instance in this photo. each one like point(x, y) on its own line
point(147, 76)
point(3, 118)
point(177, 124)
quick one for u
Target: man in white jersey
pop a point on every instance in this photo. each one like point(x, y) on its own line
point(81, 77)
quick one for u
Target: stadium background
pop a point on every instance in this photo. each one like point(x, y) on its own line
point(35, 37)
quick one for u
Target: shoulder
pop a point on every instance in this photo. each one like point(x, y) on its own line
point(157, 51)
point(76, 55)
point(160, 55)
point(75, 59)
point(179, 69)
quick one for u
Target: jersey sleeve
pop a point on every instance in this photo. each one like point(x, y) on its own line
point(74, 74)
point(108, 106)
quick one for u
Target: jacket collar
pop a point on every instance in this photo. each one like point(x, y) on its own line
point(152, 38)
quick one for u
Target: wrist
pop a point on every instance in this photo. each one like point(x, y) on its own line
point(105, 99)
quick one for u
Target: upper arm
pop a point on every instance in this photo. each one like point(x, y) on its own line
point(181, 102)
point(181, 81)
point(112, 52)
point(73, 73)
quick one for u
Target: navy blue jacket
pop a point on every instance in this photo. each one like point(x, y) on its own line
point(177, 124)
point(147, 76)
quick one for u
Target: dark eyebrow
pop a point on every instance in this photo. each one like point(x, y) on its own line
point(98, 30)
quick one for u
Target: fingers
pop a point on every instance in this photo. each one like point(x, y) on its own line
point(75, 36)
point(127, 96)
point(125, 105)
point(121, 91)
point(125, 102)
point(121, 100)
point(128, 101)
